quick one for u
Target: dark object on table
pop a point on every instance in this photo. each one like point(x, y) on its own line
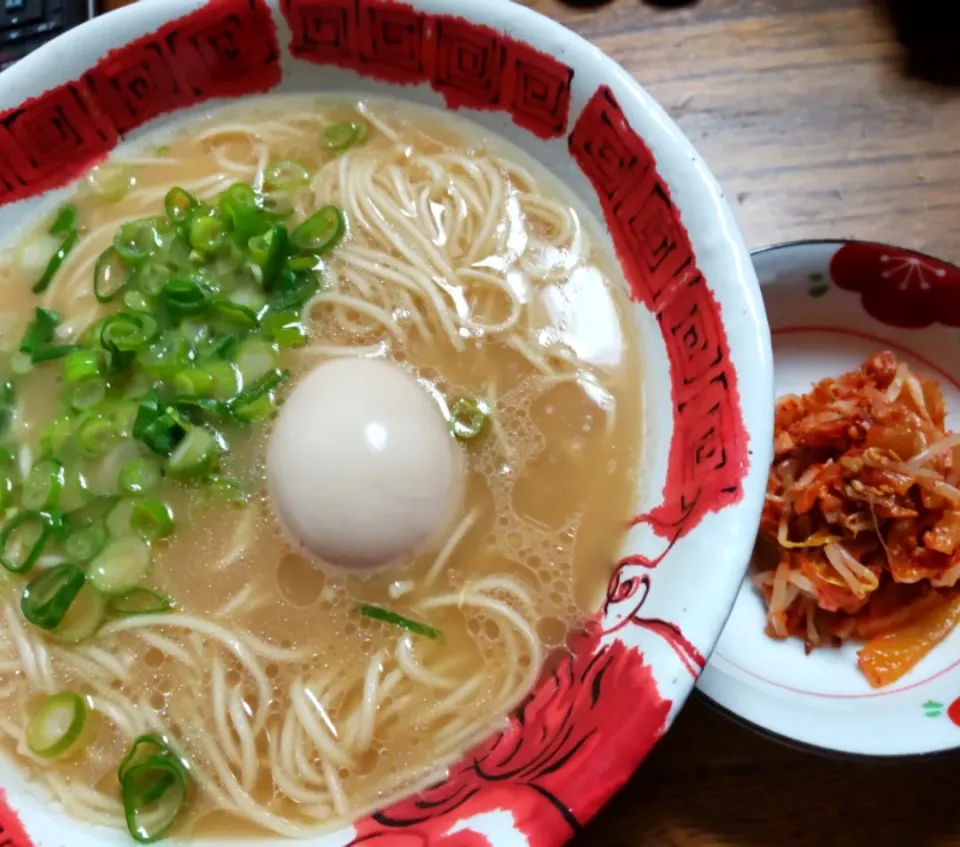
point(26, 24)
point(930, 30)
point(584, 3)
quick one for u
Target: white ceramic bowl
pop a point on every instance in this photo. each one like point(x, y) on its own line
point(832, 304)
point(704, 337)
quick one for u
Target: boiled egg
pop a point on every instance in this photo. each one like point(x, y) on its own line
point(362, 468)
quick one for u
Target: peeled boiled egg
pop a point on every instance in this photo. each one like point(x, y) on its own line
point(362, 468)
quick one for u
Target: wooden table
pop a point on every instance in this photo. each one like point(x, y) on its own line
point(802, 110)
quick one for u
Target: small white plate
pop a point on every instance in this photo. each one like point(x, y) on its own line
point(830, 305)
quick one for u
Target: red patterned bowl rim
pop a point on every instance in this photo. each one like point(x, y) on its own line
point(708, 436)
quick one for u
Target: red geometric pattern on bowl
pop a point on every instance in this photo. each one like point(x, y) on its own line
point(899, 287)
point(578, 737)
point(470, 65)
point(224, 48)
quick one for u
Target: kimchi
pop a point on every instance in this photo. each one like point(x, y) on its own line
point(862, 518)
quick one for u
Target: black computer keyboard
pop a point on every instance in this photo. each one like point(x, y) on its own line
point(26, 24)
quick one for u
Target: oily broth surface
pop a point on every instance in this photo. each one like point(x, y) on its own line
point(550, 486)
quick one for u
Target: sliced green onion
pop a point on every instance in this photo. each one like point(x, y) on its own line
point(111, 181)
point(195, 454)
point(137, 301)
point(81, 364)
point(137, 240)
point(151, 276)
point(75, 491)
point(49, 352)
point(240, 209)
point(385, 615)
point(164, 434)
point(84, 542)
point(225, 379)
point(87, 394)
point(144, 747)
point(256, 357)
point(158, 426)
point(196, 382)
point(83, 618)
point(56, 433)
point(22, 540)
point(207, 234)
point(125, 333)
point(285, 174)
point(178, 204)
point(65, 221)
point(56, 260)
point(56, 725)
point(139, 601)
point(269, 252)
point(234, 316)
point(320, 232)
point(183, 297)
point(96, 434)
point(40, 332)
point(8, 399)
point(152, 519)
point(285, 329)
point(153, 792)
point(110, 275)
point(6, 495)
point(121, 564)
point(140, 475)
point(96, 510)
point(21, 363)
point(255, 402)
point(43, 485)
point(47, 597)
point(342, 136)
point(166, 356)
point(119, 518)
point(467, 418)
point(293, 289)
point(228, 488)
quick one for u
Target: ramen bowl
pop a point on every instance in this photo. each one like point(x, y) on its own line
point(128, 80)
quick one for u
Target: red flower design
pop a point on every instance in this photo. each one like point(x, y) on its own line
point(953, 711)
point(899, 287)
point(600, 702)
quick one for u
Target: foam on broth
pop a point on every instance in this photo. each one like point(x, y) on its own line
point(549, 494)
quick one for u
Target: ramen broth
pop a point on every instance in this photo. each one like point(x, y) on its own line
point(294, 711)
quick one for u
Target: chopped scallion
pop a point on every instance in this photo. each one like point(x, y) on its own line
point(321, 232)
point(139, 476)
point(467, 418)
point(56, 260)
point(47, 597)
point(152, 519)
point(83, 618)
point(342, 136)
point(153, 793)
point(379, 614)
point(22, 540)
point(121, 564)
point(285, 174)
point(139, 601)
point(43, 485)
point(84, 542)
point(178, 204)
point(56, 725)
point(110, 275)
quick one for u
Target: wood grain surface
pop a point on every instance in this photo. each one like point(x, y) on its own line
point(804, 112)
